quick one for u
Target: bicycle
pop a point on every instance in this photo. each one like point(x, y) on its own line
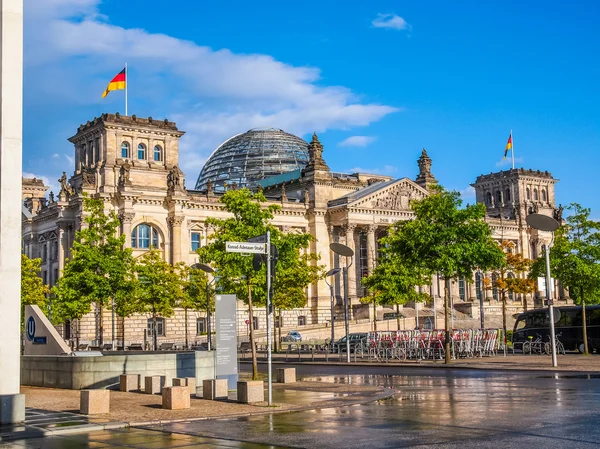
point(560, 348)
point(534, 347)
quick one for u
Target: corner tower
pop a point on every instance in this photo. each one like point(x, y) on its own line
point(114, 150)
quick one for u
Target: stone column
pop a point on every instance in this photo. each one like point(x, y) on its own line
point(126, 220)
point(12, 403)
point(175, 223)
point(371, 248)
point(62, 246)
point(349, 229)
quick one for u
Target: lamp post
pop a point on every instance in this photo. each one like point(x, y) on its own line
point(481, 311)
point(332, 272)
point(208, 270)
point(548, 224)
point(347, 252)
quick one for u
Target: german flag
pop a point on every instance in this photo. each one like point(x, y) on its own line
point(117, 83)
point(508, 146)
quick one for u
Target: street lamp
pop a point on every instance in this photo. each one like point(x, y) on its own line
point(548, 224)
point(209, 270)
point(332, 272)
point(347, 252)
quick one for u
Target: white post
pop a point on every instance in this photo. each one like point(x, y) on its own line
point(127, 87)
point(550, 305)
point(12, 403)
point(512, 150)
point(270, 377)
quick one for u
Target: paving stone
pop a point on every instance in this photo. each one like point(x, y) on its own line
point(94, 402)
point(213, 389)
point(176, 398)
point(129, 382)
point(286, 375)
point(250, 391)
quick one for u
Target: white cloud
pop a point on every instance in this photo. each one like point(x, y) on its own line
point(508, 161)
point(357, 141)
point(55, 156)
point(212, 94)
point(387, 170)
point(468, 193)
point(392, 21)
point(69, 159)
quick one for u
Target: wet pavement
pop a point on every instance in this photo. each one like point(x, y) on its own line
point(433, 408)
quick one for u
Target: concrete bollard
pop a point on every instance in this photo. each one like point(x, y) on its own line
point(250, 391)
point(153, 384)
point(176, 398)
point(191, 383)
point(213, 389)
point(129, 382)
point(94, 402)
point(286, 375)
point(179, 382)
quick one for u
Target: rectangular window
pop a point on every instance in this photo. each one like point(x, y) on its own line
point(55, 275)
point(201, 326)
point(144, 237)
point(45, 277)
point(301, 321)
point(461, 289)
point(195, 240)
point(160, 326)
point(255, 322)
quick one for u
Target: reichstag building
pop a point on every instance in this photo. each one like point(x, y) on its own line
point(132, 164)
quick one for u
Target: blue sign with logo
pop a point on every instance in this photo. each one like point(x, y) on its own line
point(30, 328)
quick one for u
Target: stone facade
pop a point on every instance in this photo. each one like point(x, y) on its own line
point(131, 163)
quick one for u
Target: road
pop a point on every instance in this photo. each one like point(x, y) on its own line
point(432, 408)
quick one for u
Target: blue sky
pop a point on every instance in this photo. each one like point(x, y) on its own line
point(377, 81)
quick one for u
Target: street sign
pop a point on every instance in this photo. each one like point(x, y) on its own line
point(542, 284)
point(244, 247)
point(258, 239)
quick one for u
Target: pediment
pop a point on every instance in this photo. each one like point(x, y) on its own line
point(391, 197)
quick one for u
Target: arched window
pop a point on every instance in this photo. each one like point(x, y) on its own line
point(84, 160)
point(535, 195)
point(478, 282)
point(533, 251)
point(125, 150)
point(157, 153)
point(528, 193)
point(141, 151)
point(507, 195)
point(144, 236)
point(488, 198)
point(544, 195)
point(498, 197)
point(510, 293)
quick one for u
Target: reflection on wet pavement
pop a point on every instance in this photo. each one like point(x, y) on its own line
point(129, 438)
point(439, 409)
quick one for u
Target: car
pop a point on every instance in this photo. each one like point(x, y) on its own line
point(356, 339)
point(292, 336)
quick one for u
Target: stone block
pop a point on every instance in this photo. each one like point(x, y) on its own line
point(213, 389)
point(180, 382)
point(129, 382)
point(191, 383)
point(153, 384)
point(250, 391)
point(176, 398)
point(94, 402)
point(286, 375)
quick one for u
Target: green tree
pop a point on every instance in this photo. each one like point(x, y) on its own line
point(33, 290)
point(160, 288)
point(444, 238)
point(195, 296)
point(575, 260)
point(250, 218)
point(393, 281)
point(510, 276)
point(100, 270)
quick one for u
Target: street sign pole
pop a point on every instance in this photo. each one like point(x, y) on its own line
point(270, 379)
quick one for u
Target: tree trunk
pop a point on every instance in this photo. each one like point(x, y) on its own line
point(447, 319)
point(122, 332)
point(154, 331)
point(584, 320)
point(374, 316)
point(252, 342)
point(504, 314)
point(279, 327)
point(101, 329)
point(185, 313)
point(77, 333)
point(398, 316)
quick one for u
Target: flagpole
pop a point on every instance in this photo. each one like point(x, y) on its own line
point(127, 84)
point(512, 149)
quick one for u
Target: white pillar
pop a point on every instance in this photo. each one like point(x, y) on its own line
point(12, 404)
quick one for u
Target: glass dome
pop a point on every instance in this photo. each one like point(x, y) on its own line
point(252, 156)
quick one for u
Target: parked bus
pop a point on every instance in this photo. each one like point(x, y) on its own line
point(568, 324)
